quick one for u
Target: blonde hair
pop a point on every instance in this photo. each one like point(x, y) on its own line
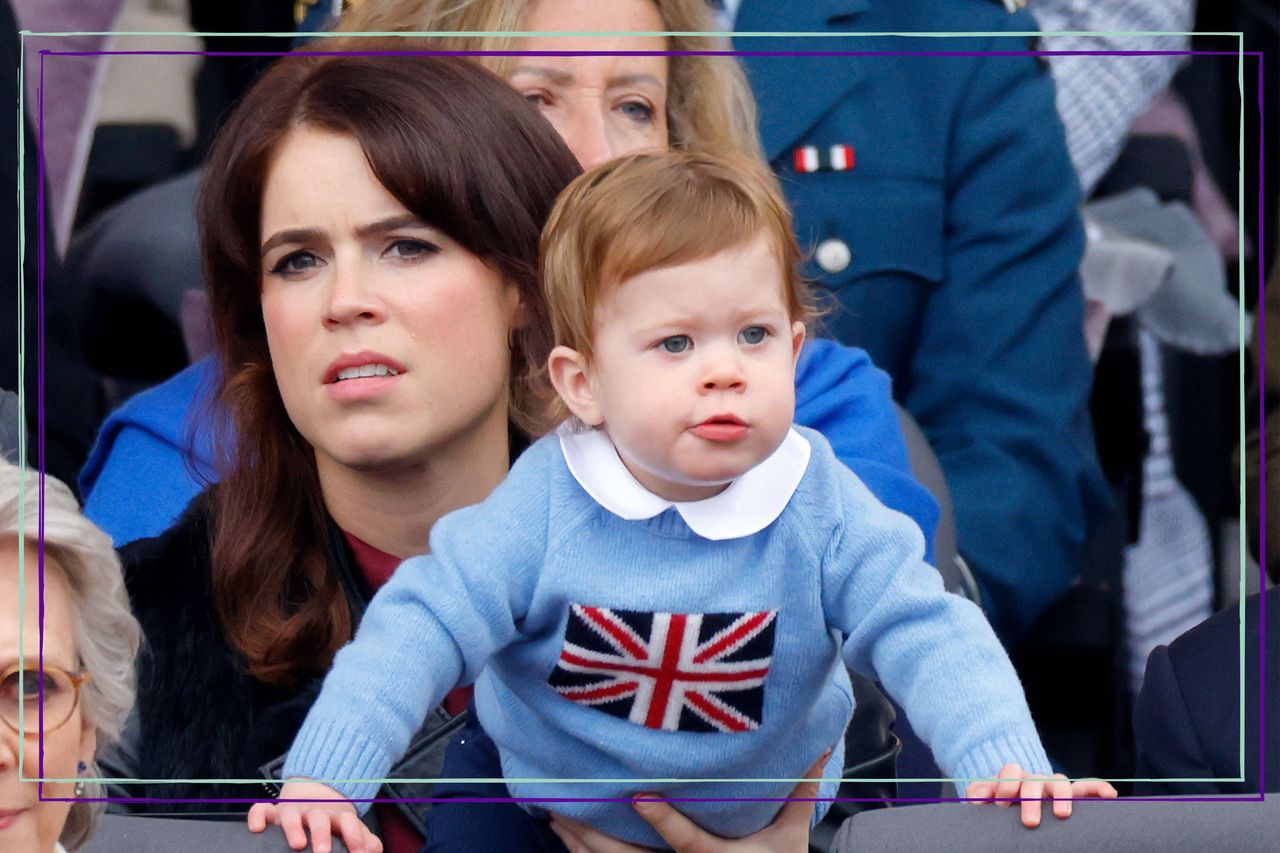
point(709, 104)
point(107, 634)
point(649, 211)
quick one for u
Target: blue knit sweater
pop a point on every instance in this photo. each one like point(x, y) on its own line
point(535, 592)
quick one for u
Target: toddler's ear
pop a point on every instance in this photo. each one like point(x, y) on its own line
point(797, 341)
point(571, 376)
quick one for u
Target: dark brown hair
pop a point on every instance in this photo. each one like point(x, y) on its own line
point(458, 148)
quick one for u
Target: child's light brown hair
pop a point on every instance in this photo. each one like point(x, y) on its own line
point(655, 210)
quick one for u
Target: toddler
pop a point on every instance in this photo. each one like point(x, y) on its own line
point(669, 587)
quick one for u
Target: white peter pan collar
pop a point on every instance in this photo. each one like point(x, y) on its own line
point(750, 503)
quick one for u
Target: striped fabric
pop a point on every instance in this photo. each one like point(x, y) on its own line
point(1168, 573)
point(1100, 96)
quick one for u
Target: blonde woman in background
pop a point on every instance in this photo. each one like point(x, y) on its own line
point(602, 106)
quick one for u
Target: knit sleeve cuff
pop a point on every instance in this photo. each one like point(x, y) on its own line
point(985, 760)
point(327, 753)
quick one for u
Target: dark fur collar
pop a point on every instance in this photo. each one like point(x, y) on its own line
point(200, 715)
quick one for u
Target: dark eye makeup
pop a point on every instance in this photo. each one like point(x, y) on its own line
point(295, 262)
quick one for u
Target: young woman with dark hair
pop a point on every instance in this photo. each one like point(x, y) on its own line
point(482, 179)
point(370, 234)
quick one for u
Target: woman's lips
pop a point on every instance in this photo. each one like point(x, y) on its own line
point(361, 376)
point(722, 429)
point(364, 388)
point(8, 817)
point(349, 364)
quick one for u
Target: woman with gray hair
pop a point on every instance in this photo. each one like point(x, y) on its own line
point(67, 646)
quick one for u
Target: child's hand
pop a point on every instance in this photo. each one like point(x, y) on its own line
point(1031, 790)
point(322, 819)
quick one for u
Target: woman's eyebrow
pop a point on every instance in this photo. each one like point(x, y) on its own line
point(292, 235)
point(391, 223)
point(559, 77)
point(556, 76)
point(634, 80)
point(32, 661)
point(316, 235)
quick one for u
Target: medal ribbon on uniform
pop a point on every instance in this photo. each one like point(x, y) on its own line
point(832, 158)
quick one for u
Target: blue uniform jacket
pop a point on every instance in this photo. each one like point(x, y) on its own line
point(960, 216)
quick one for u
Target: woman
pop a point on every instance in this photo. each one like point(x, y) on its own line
point(371, 244)
point(685, 100)
point(355, 217)
point(79, 657)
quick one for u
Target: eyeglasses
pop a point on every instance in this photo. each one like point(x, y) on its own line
point(20, 693)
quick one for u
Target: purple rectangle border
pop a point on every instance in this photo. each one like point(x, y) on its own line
point(40, 375)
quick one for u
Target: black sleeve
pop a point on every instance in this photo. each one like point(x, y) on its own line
point(1168, 745)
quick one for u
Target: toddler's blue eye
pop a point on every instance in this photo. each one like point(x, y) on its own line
point(753, 334)
point(676, 344)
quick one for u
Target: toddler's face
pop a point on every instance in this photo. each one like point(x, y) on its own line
point(693, 376)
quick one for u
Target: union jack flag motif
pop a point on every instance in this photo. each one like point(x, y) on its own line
point(701, 672)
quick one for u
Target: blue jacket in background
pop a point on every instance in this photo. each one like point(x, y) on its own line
point(960, 218)
point(154, 454)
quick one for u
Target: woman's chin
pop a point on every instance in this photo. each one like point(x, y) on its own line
point(388, 455)
point(371, 460)
point(362, 447)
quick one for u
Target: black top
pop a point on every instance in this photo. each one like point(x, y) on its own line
point(199, 714)
point(1187, 715)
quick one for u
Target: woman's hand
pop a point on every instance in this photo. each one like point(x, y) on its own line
point(788, 832)
point(1011, 785)
point(322, 819)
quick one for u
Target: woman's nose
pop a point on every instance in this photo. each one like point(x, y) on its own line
point(351, 299)
point(586, 131)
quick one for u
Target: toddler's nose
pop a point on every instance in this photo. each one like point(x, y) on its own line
point(723, 373)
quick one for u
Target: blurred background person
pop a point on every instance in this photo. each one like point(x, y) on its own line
point(1187, 717)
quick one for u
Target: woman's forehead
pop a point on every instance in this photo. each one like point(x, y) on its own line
point(293, 196)
point(552, 19)
point(21, 591)
point(584, 16)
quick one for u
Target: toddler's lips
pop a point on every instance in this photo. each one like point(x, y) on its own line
point(724, 429)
